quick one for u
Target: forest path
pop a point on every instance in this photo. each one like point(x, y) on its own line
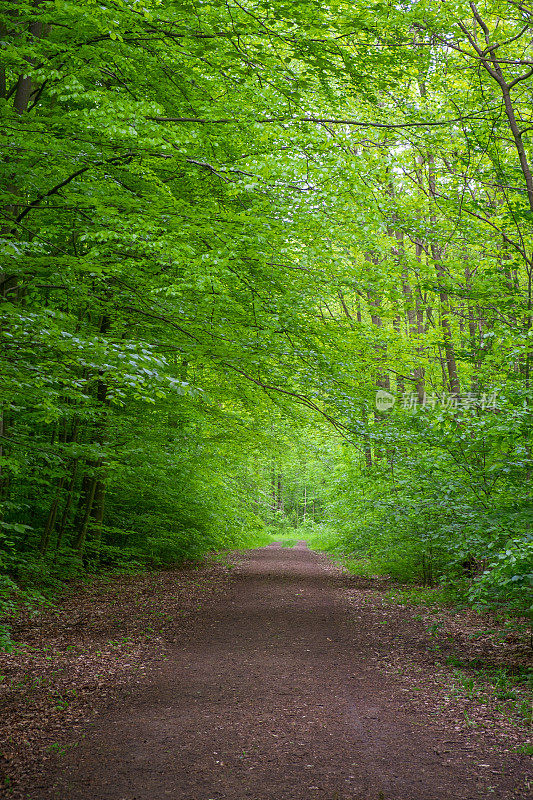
point(275, 694)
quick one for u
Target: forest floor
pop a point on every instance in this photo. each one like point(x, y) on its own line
point(276, 677)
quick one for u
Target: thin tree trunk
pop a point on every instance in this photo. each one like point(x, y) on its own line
point(98, 513)
point(436, 253)
point(66, 508)
point(280, 505)
point(51, 519)
point(91, 491)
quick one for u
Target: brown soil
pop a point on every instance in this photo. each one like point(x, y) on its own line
point(283, 684)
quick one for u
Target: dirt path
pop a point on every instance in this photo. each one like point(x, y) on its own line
point(275, 694)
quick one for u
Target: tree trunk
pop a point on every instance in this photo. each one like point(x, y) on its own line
point(79, 544)
point(280, 505)
point(436, 254)
point(66, 508)
point(51, 520)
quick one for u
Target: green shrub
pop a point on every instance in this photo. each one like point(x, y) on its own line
point(508, 581)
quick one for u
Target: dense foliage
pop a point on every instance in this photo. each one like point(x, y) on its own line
point(267, 263)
